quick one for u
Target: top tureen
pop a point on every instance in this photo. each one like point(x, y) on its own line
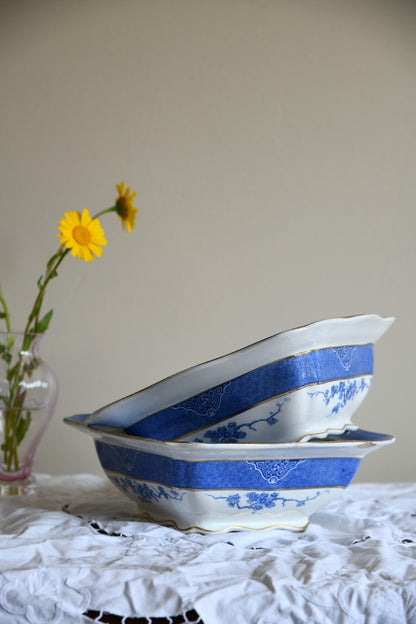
point(301, 383)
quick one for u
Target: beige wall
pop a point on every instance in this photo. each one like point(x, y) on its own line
point(272, 144)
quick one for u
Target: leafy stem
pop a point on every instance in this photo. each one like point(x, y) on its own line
point(5, 314)
point(40, 326)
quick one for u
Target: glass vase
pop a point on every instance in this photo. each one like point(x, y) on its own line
point(28, 393)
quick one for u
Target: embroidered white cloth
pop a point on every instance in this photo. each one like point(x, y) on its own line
point(78, 548)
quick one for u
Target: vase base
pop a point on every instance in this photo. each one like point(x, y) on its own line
point(25, 487)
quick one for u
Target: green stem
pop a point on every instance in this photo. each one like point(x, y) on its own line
point(105, 211)
point(14, 457)
point(6, 312)
point(6, 442)
point(52, 266)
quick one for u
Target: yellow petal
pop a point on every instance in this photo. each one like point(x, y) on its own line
point(85, 218)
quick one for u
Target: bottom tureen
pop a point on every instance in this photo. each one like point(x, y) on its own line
point(226, 487)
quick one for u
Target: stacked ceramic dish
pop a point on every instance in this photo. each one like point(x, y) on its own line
point(262, 437)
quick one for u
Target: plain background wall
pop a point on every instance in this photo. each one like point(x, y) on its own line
point(272, 145)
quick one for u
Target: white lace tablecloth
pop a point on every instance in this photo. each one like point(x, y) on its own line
point(77, 553)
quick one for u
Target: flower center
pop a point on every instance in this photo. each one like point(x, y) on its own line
point(81, 235)
point(122, 207)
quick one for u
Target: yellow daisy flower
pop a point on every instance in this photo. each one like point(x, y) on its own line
point(82, 234)
point(124, 206)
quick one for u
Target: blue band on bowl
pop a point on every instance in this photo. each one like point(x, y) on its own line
point(252, 388)
point(218, 475)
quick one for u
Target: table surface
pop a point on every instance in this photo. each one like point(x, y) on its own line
point(77, 553)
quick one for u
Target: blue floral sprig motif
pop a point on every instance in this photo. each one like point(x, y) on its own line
point(232, 432)
point(256, 501)
point(342, 393)
point(147, 493)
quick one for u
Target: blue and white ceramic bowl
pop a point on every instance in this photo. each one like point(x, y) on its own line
point(224, 487)
point(302, 383)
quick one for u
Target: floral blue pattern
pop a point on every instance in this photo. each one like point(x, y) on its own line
point(232, 432)
point(145, 492)
point(341, 393)
point(256, 501)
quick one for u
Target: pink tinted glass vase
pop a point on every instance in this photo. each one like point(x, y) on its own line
point(28, 393)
